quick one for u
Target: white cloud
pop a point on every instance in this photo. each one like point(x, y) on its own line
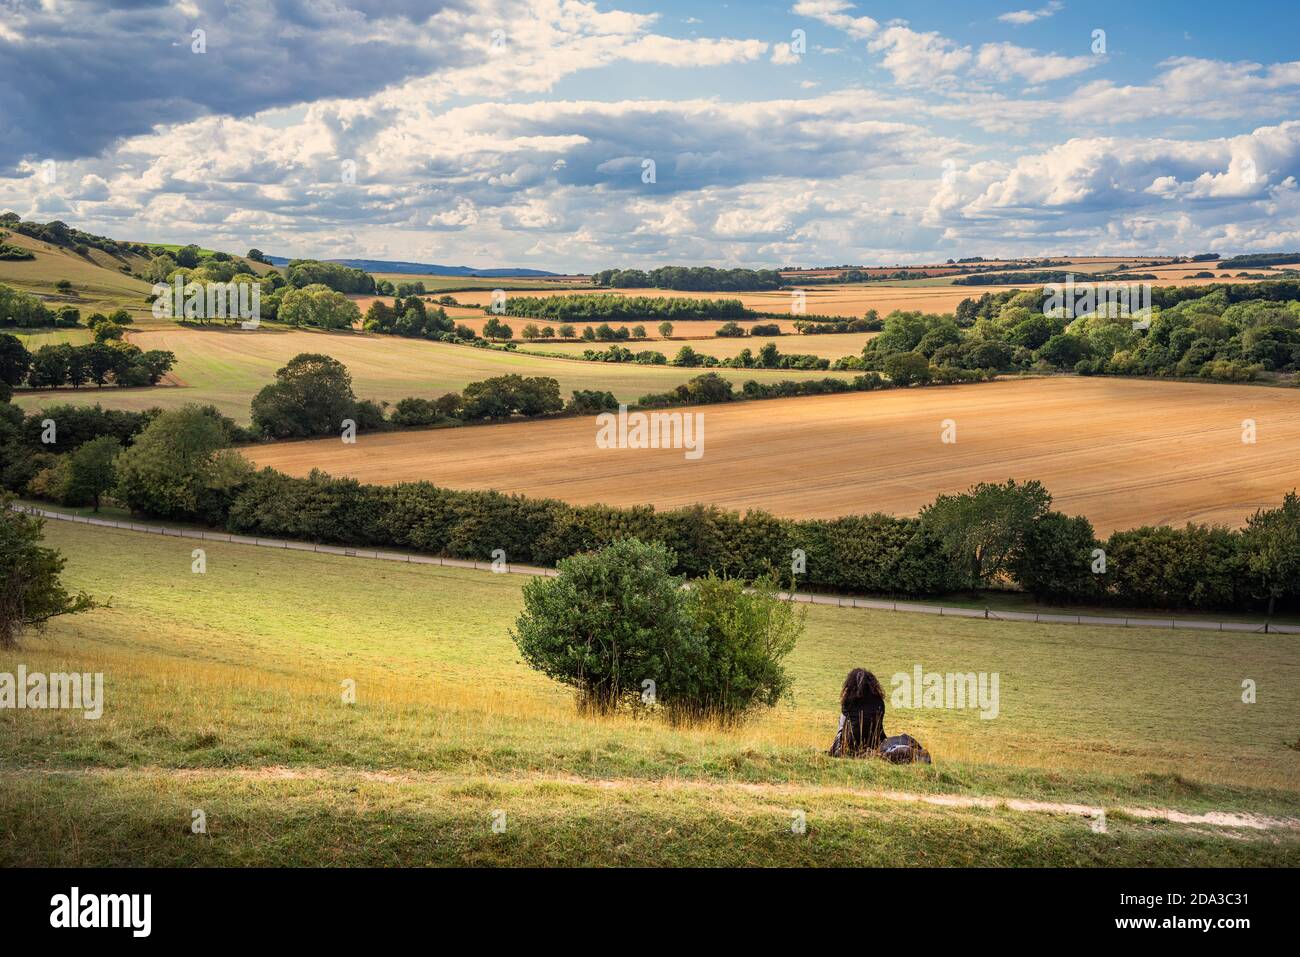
point(832, 13)
point(1021, 17)
point(919, 58)
point(1004, 61)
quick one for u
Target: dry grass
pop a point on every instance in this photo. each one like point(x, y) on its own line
point(1122, 452)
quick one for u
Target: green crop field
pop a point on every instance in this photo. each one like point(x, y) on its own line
point(223, 694)
point(226, 367)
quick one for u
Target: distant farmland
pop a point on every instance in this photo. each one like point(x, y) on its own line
point(226, 367)
point(1122, 452)
point(831, 300)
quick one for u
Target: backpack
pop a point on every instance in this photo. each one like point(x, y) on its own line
point(904, 749)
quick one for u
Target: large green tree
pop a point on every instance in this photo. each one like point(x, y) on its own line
point(312, 395)
point(983, 530)
point(91, 472)
point(180, 467)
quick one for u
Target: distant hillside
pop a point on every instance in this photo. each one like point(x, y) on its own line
point(422, 269)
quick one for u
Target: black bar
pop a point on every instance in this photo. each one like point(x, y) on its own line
point(567, 907)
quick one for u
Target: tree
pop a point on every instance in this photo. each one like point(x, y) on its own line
point(188, 256)
point(607, 622)
point(983, 530)
point(665, 330)
point(1063, 350)
point(91, 472)
point(906, 368)
point(494, 328)
point(503, 396)
point(311, 395)
point(50, 367)
point(180, 467)
point(1055, 561)
point(318, 306)
point(15, 360)
point(257, 256)
point(31, 592)
point(106, 331)
point(1272, 544)
point(100, 361)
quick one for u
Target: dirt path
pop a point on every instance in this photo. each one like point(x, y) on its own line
point(1094, 814)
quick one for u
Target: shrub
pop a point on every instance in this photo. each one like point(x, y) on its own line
point(609, 621)
point(591, 401)
point(1198, 566)
point(741, 637)
point(1055, 560)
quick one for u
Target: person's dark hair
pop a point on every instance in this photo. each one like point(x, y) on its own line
point(860, 685)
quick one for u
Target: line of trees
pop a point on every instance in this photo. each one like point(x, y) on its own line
point(55, 366)
point(690, 278)
point(610, 307)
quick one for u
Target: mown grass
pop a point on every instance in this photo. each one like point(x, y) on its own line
point(223, 691)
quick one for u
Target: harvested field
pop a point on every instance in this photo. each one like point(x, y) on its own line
point(1122, 452)
point(830, 346)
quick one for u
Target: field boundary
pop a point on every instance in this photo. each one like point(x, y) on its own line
point(950, 611)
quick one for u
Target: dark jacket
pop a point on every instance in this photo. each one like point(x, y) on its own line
point(862, 728)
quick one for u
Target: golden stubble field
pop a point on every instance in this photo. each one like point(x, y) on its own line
point(1122, 452)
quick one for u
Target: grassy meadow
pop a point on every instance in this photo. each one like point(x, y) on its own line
point(98, 284)
point(223, 693)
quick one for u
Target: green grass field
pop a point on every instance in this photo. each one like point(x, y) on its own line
point(33, 339)
point(222, 693)
point(227, 367)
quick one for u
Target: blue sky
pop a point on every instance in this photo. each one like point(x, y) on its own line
point(502, 132)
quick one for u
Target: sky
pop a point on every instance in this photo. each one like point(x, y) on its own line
point(575, 136)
